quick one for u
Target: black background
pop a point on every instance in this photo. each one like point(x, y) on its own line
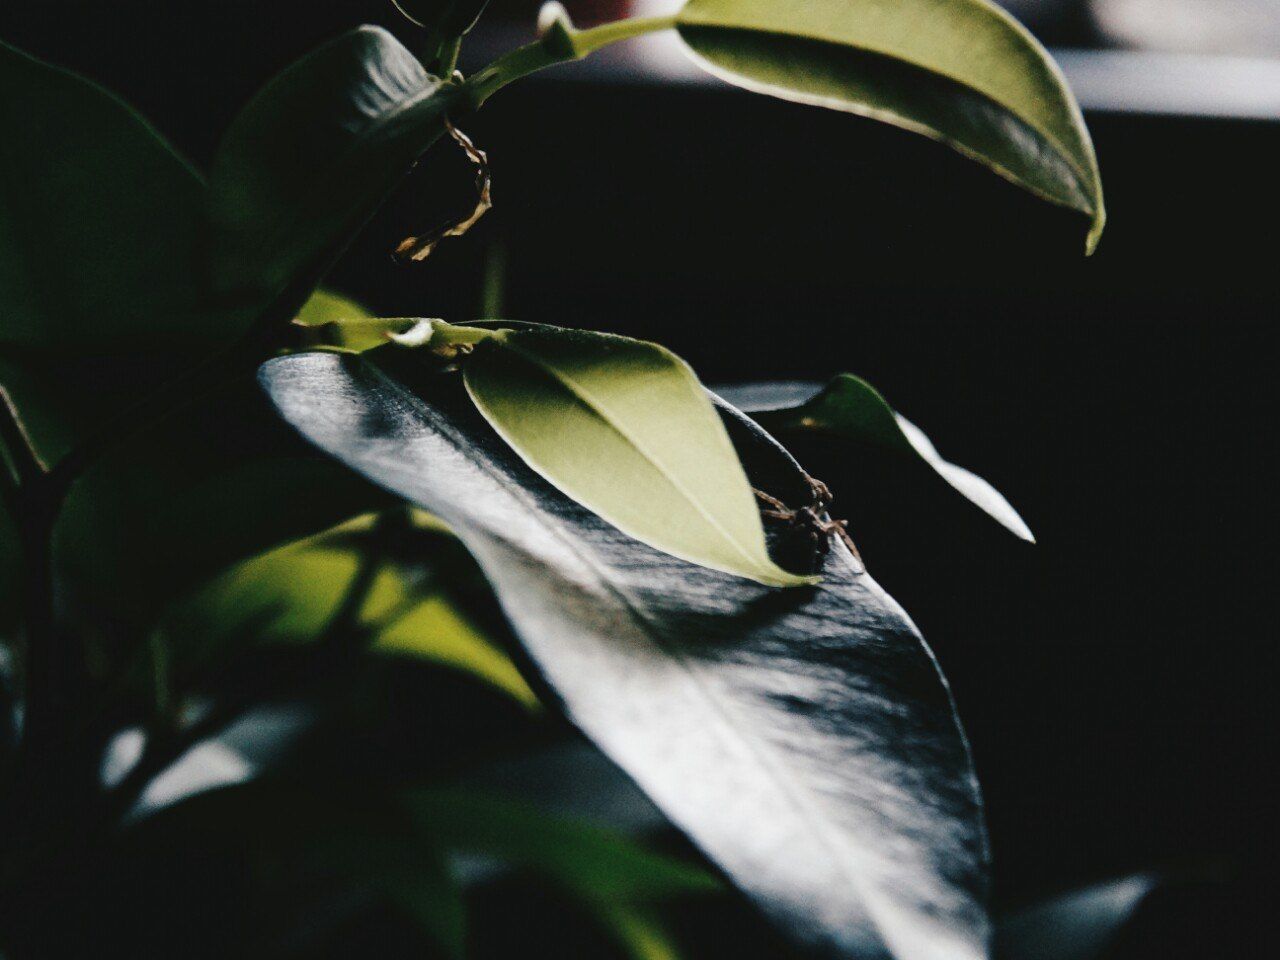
point(1117, 679)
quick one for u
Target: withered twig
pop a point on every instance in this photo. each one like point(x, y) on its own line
point(812, 518)
point(419, 248)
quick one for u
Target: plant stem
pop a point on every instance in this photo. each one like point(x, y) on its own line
point(560, 45)
point(589, 41)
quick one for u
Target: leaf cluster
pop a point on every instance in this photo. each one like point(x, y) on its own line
point(237, 505)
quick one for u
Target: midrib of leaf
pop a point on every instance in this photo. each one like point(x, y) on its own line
point(1083, 177)
point(586, 398)
point(770, 761)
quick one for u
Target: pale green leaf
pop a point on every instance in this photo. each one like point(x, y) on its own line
point(960, 71)
point(625, 428)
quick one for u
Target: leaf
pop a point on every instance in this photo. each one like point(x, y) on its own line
point(312, 156)
point(290, 594)
point(642, 935)
point(293, 836)
point(849, 408)
point(208, 486)
point(625, 428)
point(443, 19)
point(326, 307)
point(803, 738)
point(1077, 926)
point(99, 267)
point(102, 300)
point(960, 71)
point(595, 863)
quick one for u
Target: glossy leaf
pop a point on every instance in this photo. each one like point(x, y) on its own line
point(803, 738)
point(849, 408)
point(1080, 925)
point(312, 156)
point(625, 428)
point(960, 71)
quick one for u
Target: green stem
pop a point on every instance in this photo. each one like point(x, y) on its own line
point(560, 45)
point(446, 60)
point(589, 41)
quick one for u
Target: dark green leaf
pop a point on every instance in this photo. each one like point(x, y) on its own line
point(443, 18)
point(960, 71)
point(103, 299)
point(849, 408)
point(625, 428)
point(291, 836)
point(594, 863)
point(312, 156)
point(803, 738)
point(213, 483)
point(99, 272)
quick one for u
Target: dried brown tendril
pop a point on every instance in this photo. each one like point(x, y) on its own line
point(811, 519)
point(418, 248)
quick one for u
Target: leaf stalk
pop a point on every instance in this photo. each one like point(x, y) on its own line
point(561, 43)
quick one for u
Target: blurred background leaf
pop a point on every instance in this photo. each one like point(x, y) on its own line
point(850, 409)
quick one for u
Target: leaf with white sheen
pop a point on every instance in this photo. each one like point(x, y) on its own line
point(960, 71)
point(625, 428)
point(804, 739)
point(1080, 925)
point(849, 408)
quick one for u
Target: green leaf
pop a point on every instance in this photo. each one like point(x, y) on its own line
point(100, 223)
point(595, 863)
point(804, 739)
point(960, 71)
point(103, 299)
point(98, 218)
point(336, 328)
point(312, 156)
point(327, 307)
point(625, 428)
point(849, 408)
point(640, 933)
point(290, 594)
point(208, 485)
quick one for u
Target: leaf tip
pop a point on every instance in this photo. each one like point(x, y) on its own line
point(1096, 228)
